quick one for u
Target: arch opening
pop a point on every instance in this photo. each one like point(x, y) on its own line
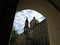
point(21, 16)
point(30, 25)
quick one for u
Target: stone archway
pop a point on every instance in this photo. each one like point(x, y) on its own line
point(51, 14)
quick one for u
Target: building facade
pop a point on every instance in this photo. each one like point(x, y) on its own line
point(37, 33)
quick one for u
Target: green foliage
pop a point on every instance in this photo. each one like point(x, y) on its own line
point(14, 36)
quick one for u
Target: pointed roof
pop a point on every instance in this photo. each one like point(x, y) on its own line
point(26, 18)
point(34, 20)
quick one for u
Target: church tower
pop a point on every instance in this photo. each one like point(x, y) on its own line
point(26, 28)
point(34, 22)
point(27, 33)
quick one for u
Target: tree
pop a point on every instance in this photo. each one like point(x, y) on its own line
point(13, 37)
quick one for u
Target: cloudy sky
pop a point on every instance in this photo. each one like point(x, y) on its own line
point(20, 18)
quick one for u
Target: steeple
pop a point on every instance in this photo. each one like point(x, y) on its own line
point(26, 28)
point(34, 22)
point(26, 22)
point(34, 18)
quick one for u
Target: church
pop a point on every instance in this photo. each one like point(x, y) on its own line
point(36, 34)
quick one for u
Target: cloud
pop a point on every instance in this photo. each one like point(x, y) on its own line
point(20, 18)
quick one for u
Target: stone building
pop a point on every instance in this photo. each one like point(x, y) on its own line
point(36, 34)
